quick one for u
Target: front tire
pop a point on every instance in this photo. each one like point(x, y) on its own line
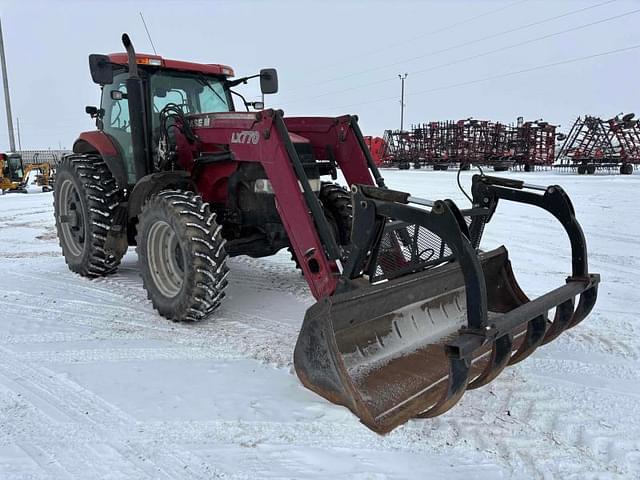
point(181, 255)
point(84, 199)
point(336, 203)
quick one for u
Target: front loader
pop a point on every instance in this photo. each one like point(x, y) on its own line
point(409, 311)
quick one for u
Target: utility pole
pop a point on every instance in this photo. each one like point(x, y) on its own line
point(402, 77)
point(7, 101)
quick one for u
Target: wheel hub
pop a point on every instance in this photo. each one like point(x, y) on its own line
point(165, 259)
point(71, 218)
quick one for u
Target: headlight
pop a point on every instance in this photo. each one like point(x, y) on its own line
point(263, 185)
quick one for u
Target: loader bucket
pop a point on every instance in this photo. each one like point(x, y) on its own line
point(382, 353)
point(410, 346)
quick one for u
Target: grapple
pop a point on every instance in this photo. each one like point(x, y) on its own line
point(421, 315)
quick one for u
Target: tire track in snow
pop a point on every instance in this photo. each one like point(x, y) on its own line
point(512, 457)
point(538, 429)
point(64, 402)
point(226, 333)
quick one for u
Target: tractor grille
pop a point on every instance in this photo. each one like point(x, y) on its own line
point(406, 248)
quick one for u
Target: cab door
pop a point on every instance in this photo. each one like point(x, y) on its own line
point(116, 121)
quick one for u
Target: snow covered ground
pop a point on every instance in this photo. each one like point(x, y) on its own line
point(94, 384)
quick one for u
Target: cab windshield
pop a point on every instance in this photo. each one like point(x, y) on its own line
point(15, 166)
point(193, 92)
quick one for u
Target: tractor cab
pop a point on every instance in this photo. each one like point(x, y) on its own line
point(193, 88)
point(12, 168)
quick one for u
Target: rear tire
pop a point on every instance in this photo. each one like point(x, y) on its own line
point(181, 255)
point(84, 199)
point(591, 169)
point(626, 169)
point(582, 169)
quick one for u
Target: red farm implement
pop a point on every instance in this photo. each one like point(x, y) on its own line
point(441, 145)
point(595, 144)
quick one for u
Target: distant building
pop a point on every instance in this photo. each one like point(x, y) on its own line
point(38, 156)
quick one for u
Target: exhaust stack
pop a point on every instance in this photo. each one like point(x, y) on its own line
point(137, 114)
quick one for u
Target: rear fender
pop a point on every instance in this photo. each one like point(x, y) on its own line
point(100, 143)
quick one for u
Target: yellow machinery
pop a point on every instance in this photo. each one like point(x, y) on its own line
point(14, 176)
point(11, 173)
point(44, 177)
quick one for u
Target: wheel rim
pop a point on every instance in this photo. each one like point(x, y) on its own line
point(71, 218)
point(165, 259)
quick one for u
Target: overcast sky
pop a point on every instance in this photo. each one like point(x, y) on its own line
point(346, 54)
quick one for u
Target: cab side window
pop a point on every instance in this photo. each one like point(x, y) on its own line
point(119, 117)
point(117, 123)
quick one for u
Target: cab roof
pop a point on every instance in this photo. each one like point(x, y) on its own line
point(158, 61)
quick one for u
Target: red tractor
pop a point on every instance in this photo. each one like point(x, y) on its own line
point(409, 313)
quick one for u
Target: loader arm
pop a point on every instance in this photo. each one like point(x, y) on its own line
point(263, 138)
point(342, 139)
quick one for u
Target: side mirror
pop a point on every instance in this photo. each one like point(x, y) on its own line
point(258, 105)
point(101, 69)
point(268, 81)
point(94, 112)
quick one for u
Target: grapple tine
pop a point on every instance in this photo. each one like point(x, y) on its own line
point(500, 354)
point(456, 386)
point(585, 305)
point(536, 330)
point(561, 320)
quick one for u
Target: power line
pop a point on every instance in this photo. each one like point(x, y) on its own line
point(428, 34)
point(464, 44)
point(474, 57)
point(495, 77)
